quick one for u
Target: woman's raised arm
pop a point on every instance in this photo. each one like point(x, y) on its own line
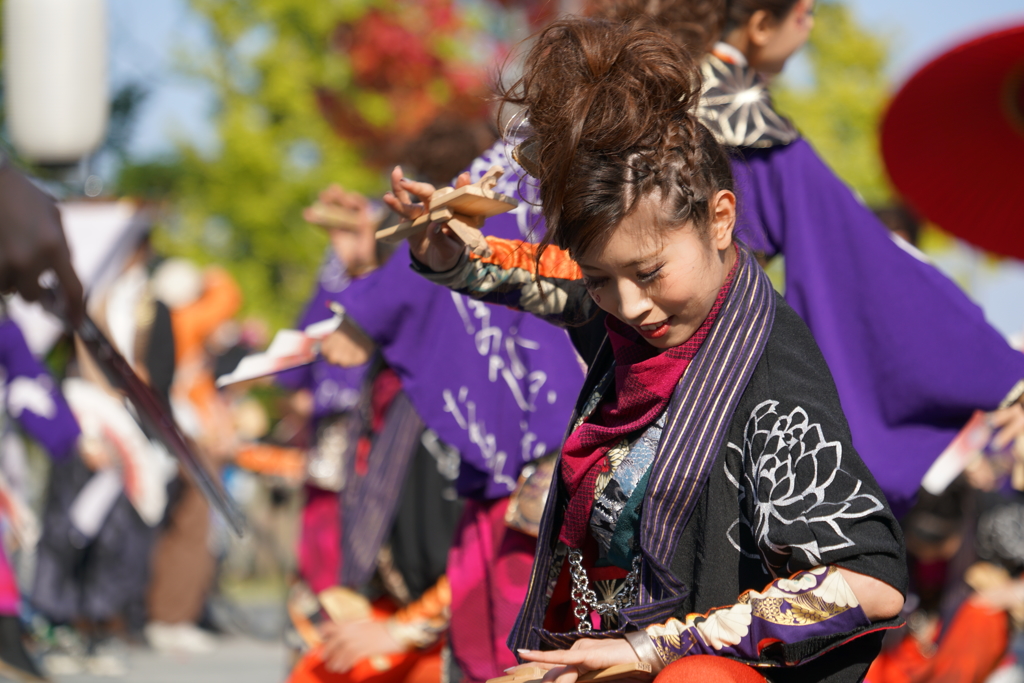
point(516, 273)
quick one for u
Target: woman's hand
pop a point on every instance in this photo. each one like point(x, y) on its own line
point(346, 350)
point(434, 246)
point(353, 244)
point(1008, 424)
point(337, 196)
point(95, 453)
point(585, 655)
point(348, 643)
point(302, 404)
point(1008, 427)
point(1006, 597)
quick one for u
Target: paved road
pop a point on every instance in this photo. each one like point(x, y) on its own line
point(236, 660)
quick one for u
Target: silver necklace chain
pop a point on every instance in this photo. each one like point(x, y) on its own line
point(585, 599)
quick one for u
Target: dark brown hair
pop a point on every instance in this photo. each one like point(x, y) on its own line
point(610, 107)
point(695, 24)
point(738, 12)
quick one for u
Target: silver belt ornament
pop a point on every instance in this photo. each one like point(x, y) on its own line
point(585, 599)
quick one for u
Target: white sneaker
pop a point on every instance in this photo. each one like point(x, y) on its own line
point(179, 638)
point(61, 664)
point(106, 665)
point(109, 658)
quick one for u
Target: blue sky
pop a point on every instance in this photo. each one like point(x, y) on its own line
point(148, 38)
point(925, 28)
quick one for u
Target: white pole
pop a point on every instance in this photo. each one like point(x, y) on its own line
point(55, 73)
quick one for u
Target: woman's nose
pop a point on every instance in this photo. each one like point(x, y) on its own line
point(633, 303)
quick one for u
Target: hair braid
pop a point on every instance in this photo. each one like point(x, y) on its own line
point(611, 107)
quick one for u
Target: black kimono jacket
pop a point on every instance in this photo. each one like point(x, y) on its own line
point(756, 476)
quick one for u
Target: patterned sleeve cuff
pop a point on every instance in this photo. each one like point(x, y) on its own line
point(810, 606)
point(419, 624)
point(416, 635)
point(643, 646)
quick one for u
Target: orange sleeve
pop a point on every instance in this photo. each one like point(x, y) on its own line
point(554, 262)
point(433, 604)
point(550, 287)
point(192, 324)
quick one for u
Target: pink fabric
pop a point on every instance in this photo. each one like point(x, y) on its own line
point(320, 539)
point(9, 597)
point(489, 572)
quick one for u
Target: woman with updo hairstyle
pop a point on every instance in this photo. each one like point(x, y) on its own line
point(710, 516)
point(887, 321)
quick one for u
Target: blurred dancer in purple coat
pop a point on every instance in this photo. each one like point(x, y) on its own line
point(495, 384)
point(31, 243)
point(328, 395)
point(31, 397)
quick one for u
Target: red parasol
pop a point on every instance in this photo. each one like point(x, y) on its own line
point(953, 141)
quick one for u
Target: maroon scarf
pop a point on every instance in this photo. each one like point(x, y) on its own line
point(645, 378)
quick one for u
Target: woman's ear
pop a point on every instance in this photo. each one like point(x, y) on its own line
point(722, 210)
point(761, 27)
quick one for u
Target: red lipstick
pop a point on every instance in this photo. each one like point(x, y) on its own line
point(660, 331)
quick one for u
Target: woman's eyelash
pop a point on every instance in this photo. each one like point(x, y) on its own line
point(649, 275)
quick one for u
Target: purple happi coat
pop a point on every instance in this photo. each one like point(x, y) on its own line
point(31, 396)
point(335, 389)
point(912, 356)
point(498, 385)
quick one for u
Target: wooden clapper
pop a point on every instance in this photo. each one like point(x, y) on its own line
point(639, 672)
point(463, 209)
point(342, 217)
point(333, 216)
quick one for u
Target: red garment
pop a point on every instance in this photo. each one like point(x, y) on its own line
point(970, 650)
point(708, 669)
point(386, 386)
point(645, 378)
point(416, 666)
point(560, 617)
point(319, 560)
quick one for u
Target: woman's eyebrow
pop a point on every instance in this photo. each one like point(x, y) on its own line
point(632, 264)
point(642, 260)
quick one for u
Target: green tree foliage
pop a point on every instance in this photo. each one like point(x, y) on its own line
point(240, 205)
point(308, 93)
point(840, 111)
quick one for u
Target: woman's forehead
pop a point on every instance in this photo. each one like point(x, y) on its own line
point(638, 240)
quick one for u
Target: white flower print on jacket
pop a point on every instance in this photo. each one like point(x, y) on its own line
point(801, 492)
